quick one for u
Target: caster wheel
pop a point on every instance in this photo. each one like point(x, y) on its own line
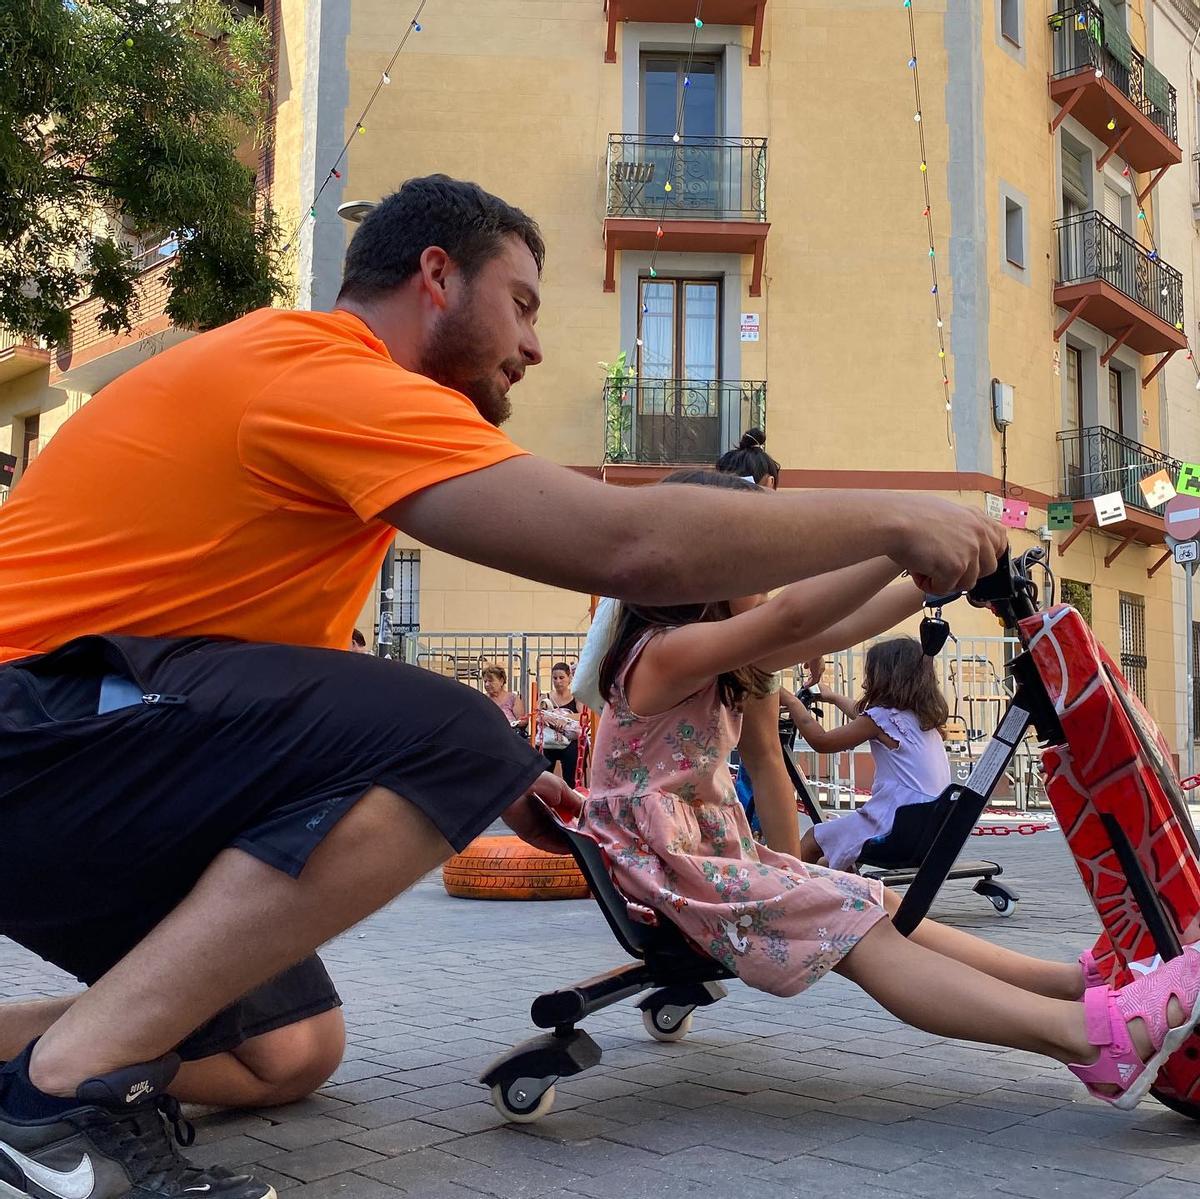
point(523, 1100)
point(1185, 1107)
point(668, 1023)
point(1005, 905)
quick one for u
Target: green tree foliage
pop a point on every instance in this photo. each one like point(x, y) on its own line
point(126, 115)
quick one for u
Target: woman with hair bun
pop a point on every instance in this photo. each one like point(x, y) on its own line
point(759, 748)
point(750, 460)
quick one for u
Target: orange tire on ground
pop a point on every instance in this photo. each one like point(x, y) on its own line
point(507, 868)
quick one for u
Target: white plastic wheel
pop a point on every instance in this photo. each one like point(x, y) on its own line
point(1005, 905)
point(676, 1032)
point(522, 1115)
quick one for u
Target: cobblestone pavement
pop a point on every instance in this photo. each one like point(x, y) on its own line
point(820, 1095)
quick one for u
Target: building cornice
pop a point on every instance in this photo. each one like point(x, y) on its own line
point(1188, 10)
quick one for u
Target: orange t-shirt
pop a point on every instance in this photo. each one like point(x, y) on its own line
point(230, 487)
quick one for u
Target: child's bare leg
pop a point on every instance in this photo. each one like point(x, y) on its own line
point(1056, 980)
point(22, 1020)
point(956, 1000)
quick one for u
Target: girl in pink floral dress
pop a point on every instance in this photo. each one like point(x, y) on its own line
point(662, 805)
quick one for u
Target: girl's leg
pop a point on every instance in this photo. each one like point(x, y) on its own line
point(570, 763)
point(810, 851)
point(774, 795)
point(956, 1000)
point(1056, 980)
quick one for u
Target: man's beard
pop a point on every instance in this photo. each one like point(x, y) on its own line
point(451, 358)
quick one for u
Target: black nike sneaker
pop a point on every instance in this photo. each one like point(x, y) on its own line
point(115, 1145)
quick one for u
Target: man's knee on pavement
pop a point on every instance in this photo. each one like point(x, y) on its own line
point(293, 1061)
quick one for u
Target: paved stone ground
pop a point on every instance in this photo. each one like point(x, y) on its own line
point(821, 1095)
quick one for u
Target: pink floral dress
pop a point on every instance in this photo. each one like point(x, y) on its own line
point(662, 805)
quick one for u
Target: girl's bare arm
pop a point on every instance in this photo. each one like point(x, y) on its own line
point(829, 741)
point(683, 660)
point(878, 614)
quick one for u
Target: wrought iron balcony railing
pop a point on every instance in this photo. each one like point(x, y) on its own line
point(1083, 40)
point(669, 422)
point(703, 178)
point(1097, 460)
point(1091, 248)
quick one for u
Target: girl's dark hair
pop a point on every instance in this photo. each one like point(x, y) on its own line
point(899, 675)
point(633, 619)
point(560, 666)
point(750, 459)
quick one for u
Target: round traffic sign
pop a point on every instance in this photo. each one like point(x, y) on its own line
point(1181, 517)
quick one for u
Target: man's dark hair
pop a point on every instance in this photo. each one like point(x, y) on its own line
point(356, 638)
point(467, 222)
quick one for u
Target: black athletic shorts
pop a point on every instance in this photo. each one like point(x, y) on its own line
point(107, 820)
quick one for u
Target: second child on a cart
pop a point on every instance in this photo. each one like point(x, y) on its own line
point(900, 716)
point(663, 807)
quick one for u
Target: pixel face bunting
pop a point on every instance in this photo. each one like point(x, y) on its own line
point(1189, 479)
point(1157, 488)
point(1015, 514)
point(1060, 516)
point(1110, 509)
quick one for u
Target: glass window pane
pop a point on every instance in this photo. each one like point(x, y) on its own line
point(701, 312)
point(660, 82)
point(656, 357)
point(700, 101)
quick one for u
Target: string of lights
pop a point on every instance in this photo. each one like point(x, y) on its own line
point(360, 125)
point(914, 67)
point(676, 149)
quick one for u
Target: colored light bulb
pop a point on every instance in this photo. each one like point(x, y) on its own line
point(912, 63)
point(667, 186)
point(362, 129)
point(386, 77)
point(416, 27)
point(312, 212)
point(1112, 123)
point(924, 167)
point(675, 138)
point(699, 23)
point(653, 273)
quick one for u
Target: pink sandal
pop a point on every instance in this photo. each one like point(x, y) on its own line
point(1091, 971)
point(1107, 1013)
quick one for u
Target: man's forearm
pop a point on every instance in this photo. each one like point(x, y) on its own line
point(684, 544)
point(756, 543)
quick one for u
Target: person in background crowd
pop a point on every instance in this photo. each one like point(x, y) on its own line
point(559, 723)
point(358, 643)
point(495, 684)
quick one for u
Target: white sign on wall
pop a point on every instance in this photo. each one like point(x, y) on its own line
point(749, 326)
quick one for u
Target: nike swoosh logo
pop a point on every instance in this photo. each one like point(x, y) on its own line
point(65, 1184)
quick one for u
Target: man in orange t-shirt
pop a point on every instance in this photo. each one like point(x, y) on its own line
point(198, 784)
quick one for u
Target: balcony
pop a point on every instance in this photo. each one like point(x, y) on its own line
point(698, 195)
point(19, 356)
point(676, 422)
point(1096, 461)
point(1109, 87)
point(1107, 279)
point(683, 12)
point(92, 356)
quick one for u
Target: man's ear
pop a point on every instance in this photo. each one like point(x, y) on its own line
point(436, 269)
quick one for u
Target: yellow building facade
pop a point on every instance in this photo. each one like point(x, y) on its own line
point(791, 285)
